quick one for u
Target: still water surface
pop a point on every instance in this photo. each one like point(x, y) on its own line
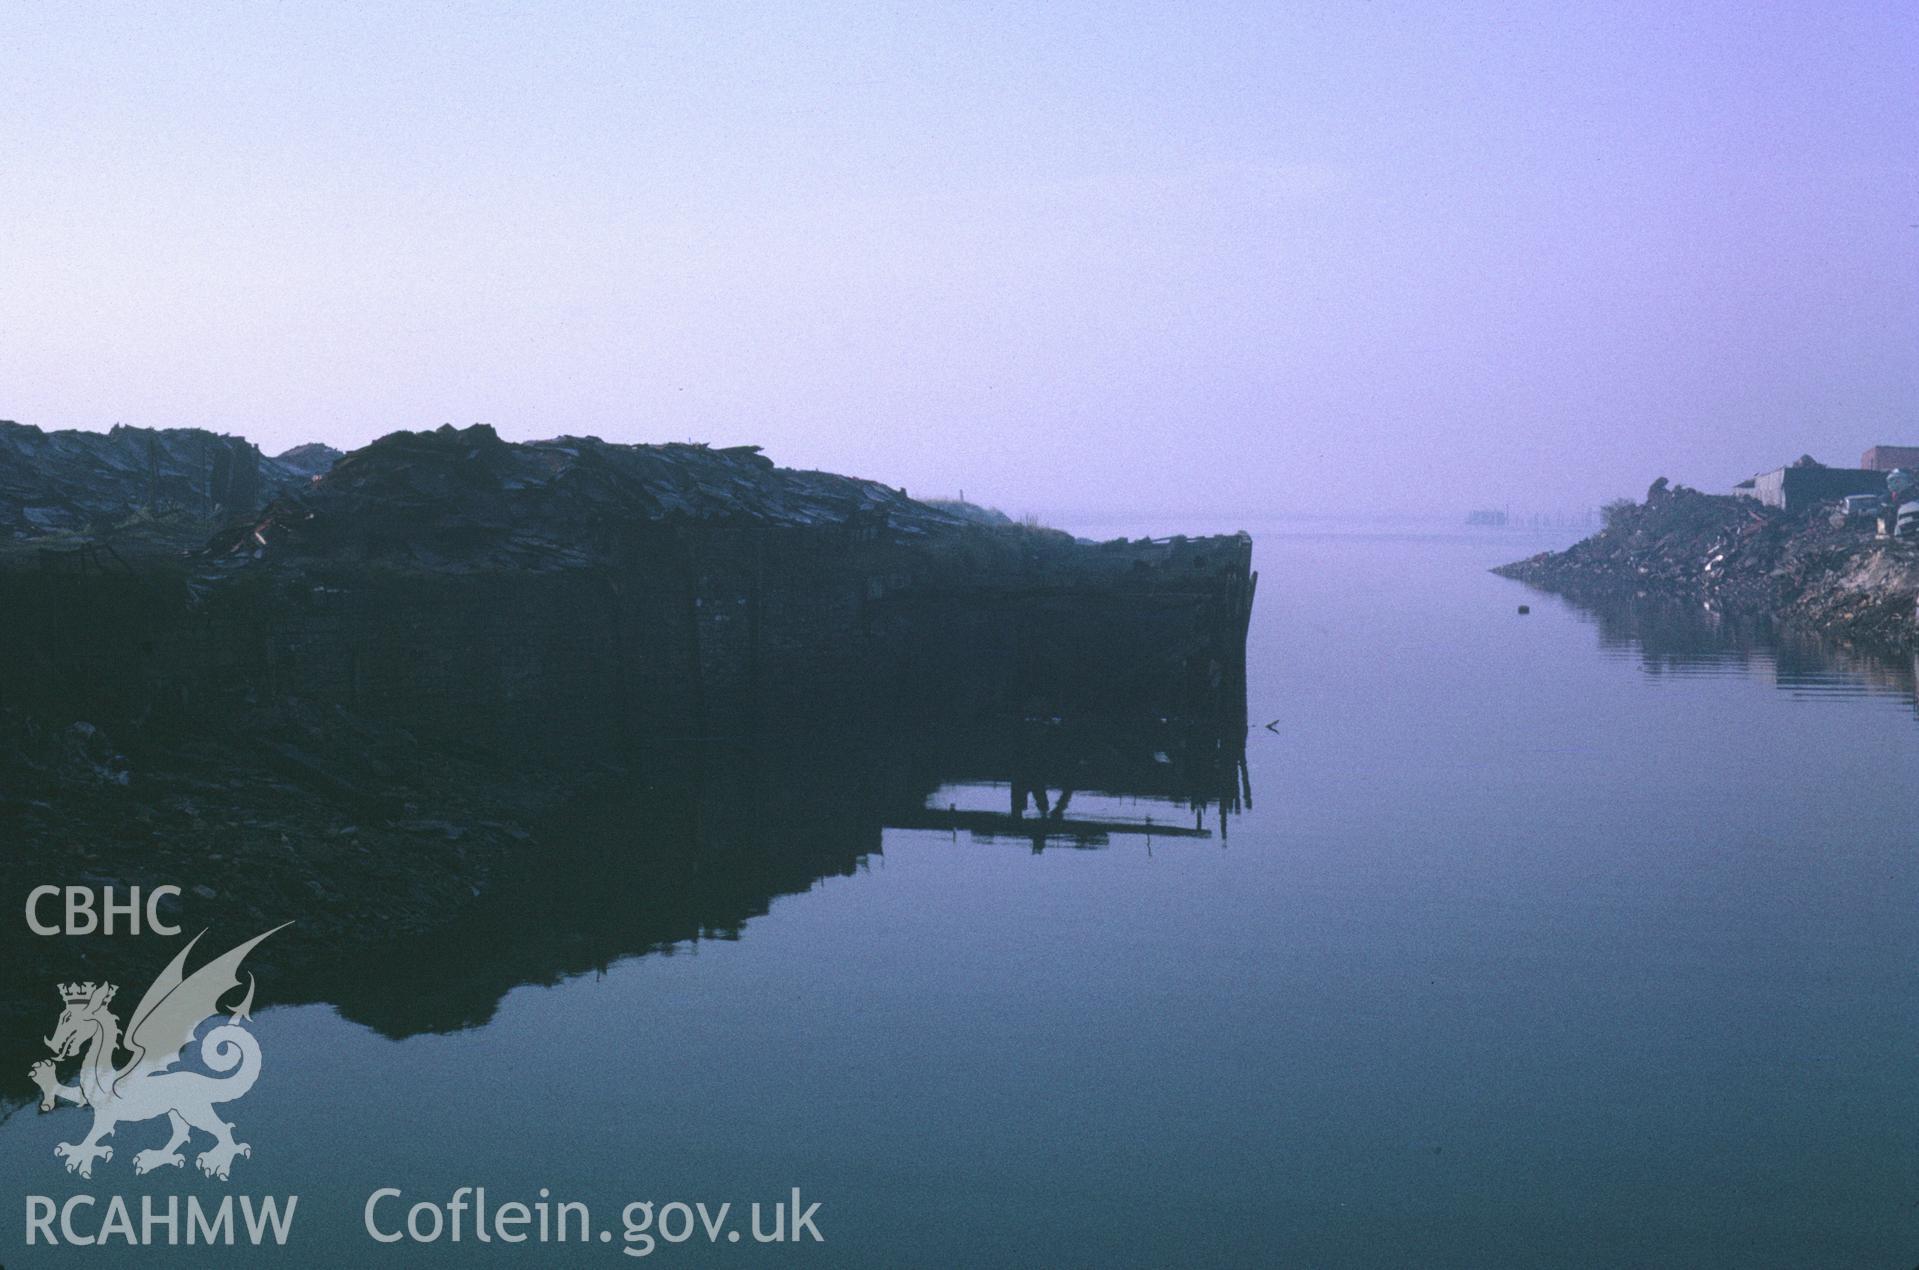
point(1569, 939)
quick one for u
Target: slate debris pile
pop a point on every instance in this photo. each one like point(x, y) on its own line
point(1735, 554)
point(1671, 540)
point(463, 499)
point(311, 460)
point(70, 483)
point(450, 499)
point(972, 512)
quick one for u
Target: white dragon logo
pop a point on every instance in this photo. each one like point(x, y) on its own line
point(161, 1028)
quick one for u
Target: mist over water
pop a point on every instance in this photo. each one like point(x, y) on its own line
point(1581, 937)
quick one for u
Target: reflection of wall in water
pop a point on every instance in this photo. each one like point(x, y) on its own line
point(719, 831)
point(695, 848)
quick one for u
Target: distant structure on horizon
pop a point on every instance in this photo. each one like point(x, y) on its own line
point(1884, 458)
point(1506, 518)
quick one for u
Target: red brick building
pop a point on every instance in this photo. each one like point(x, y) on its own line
point(1884, 458)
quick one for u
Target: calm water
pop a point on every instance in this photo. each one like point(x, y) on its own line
point(1568, 939)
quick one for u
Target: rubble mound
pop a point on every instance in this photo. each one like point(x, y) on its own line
point(309, 460)
point(462, 498)
point(1815, 569)
point(74, 482)
point(973, 512)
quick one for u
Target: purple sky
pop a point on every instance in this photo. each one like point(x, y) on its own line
point(1221, 259)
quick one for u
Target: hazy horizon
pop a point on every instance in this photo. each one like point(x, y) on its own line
point(1402, 259)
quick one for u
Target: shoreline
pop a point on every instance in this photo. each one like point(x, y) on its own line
point(363, 703)
point(1814, 570)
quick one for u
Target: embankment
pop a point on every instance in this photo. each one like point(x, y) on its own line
point(1813, 570)
point(365, 703)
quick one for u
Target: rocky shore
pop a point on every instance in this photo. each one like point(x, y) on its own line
point(1815, 570)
